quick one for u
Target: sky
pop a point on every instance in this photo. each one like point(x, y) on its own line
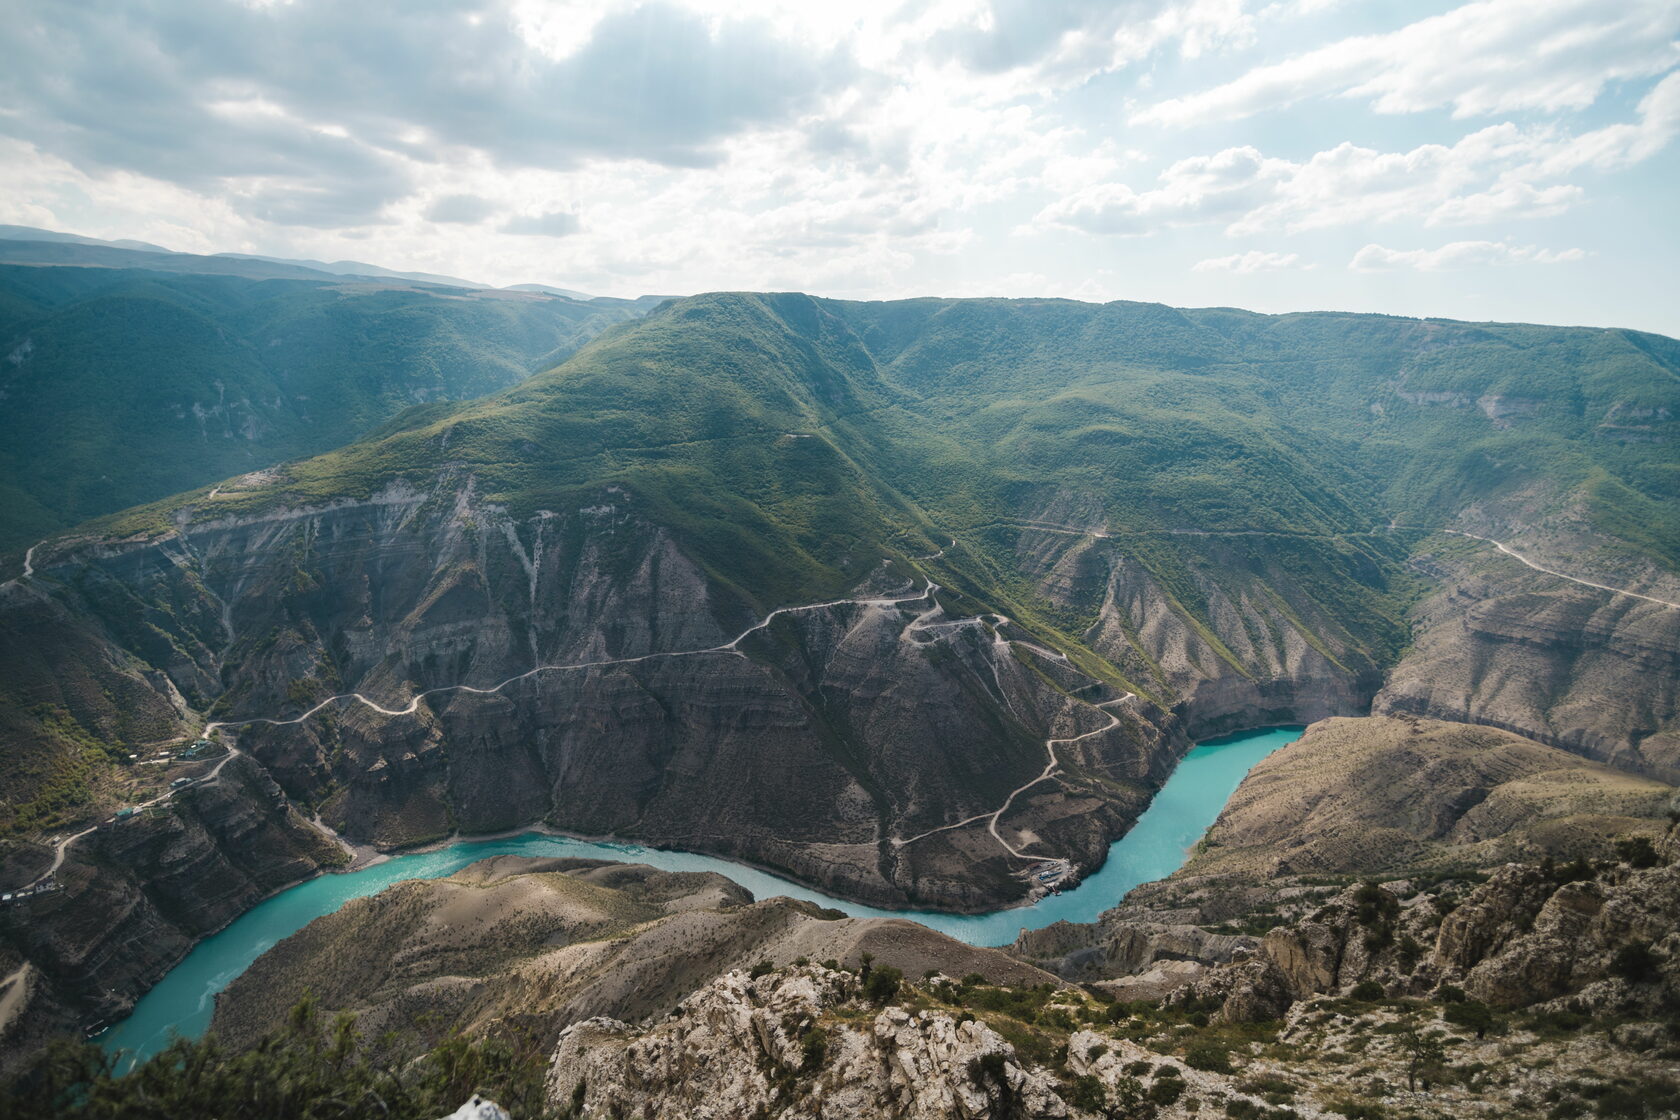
point(1492, 160)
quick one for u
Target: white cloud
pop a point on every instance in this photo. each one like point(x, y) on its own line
point(322, 114)
point(1252, 261)
point(1494, 56)
point(466, 209)
point(1065, 42)
point(558, 223)
point(1458, 254)
point(1496, 173)
point(1199, 189)
point(880, 148)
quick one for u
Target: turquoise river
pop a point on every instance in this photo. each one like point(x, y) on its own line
point(182, 1001)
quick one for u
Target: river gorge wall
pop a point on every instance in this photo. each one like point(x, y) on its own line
point(835, 742)
point(138, 893)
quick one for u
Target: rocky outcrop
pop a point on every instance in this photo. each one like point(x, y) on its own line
point(1379, 797)
point(772, 1045)
point(1519, 939)
point(479, 1109)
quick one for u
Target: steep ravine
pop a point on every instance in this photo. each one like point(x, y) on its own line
point(138, 893)
point(809, 745)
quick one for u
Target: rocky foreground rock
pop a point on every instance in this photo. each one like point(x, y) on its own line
point(773, 1045)
point(1390, 797)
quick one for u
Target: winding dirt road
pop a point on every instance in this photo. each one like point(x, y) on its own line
point(920, 623)
point(64, 845)
point(729, 647)
point(1521, 559)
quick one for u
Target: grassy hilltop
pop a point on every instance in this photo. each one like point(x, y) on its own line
point(793, 442)
point(123, 385)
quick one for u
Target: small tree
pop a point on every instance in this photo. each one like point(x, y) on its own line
point(1472, 1015)
point(1424, 1052)
point(1123, 1102)
point(882, 985)
point(814, 1050)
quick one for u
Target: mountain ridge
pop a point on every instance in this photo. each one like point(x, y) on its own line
point(996, 519)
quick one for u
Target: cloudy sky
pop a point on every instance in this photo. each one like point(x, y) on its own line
point(1500, 159)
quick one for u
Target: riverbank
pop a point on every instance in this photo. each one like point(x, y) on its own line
point(182, 1002)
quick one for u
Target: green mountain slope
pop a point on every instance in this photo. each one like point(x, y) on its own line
point(795, 442)
point(121, 386)
point(1216, 511)
point(902, 599)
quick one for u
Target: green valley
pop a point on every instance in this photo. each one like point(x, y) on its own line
point(123, 384)
point(916, 602)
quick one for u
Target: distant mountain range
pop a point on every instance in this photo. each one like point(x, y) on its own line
point(129, 374)
point(224, 263)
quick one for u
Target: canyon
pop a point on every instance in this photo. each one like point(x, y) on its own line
point(829, 588)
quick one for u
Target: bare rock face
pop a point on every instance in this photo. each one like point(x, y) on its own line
point(1258, 663)
point(479, 1109)
point(145, 888)
point(579, 668)
point(743, 1047)
point(1586, 670)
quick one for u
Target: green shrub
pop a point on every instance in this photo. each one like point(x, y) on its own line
point(305, 1071)
point(1360, 1110)
point(1208, 1056)
point(1165, 1091)
point(1367, 991)
point(1087, 1093)
point(1636, 962)
point(1637, 852)
point(987, 1067)
point(1576, 871)
point(881, 987)
point(1471, 1015)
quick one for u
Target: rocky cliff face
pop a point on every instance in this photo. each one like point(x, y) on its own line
point(1579, 668)
point(139, 892)
point(1265, 656)
point(579, 668)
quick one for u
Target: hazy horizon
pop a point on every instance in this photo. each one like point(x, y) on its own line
point(1491, 160)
